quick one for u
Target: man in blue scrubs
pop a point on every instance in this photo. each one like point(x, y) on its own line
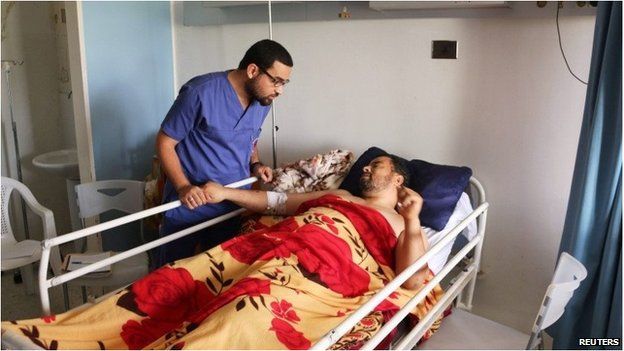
point(211, 134)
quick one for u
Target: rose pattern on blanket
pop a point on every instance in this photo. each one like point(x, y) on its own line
point(168, 297)
point(289, 336)
point(170, 294)
point(360, 333)
point(49, 319)
point(283, 310)
point(281, 287)
point(138, 335)
point(33, 334)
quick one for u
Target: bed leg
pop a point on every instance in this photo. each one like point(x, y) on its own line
point(66, 297)
point(458, 300)
point(84, 293)
point(477, 260)
point(471, 288)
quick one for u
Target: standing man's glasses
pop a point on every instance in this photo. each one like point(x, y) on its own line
point(277, 82)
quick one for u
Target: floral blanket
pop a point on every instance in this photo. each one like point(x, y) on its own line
point(282, 287)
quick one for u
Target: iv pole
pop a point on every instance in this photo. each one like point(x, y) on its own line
point(273, 107)
point(6, 67)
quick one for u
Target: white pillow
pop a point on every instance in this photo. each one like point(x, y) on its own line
point(462, 210)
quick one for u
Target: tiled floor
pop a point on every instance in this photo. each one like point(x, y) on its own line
point(17, 304)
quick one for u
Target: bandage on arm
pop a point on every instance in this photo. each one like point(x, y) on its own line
point(271, 202)
point(276, 203)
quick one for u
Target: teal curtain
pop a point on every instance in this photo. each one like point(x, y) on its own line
point(593, 226)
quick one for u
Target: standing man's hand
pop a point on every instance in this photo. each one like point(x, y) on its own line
point(192, 196)
point(265, 173)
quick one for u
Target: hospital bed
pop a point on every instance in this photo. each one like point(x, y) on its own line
point(458, 275)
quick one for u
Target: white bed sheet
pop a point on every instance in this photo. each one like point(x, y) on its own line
point(462, 210)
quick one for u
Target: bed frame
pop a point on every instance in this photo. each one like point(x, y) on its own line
point(460, 291)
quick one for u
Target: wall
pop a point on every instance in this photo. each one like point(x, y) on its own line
point(33, 32)
point(129, 63)
point(130, 75)
point(508, 108)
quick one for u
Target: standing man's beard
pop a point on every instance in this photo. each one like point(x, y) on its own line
point(368, 185)
point(252, 90)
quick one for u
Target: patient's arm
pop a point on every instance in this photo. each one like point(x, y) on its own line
point(412, 242)
point(256, 200)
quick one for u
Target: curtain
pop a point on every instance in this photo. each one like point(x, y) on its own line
point(593, 226)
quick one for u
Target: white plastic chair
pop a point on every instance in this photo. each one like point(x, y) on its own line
point(23, 253)
point(94, 199)
point(464, 330)
point(568, 277)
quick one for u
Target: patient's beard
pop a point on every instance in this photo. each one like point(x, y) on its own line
point(369, 185)
point(252, 89)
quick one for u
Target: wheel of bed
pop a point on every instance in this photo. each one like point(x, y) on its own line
point(286, 283)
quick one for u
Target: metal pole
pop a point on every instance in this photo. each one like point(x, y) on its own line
point(274, 128)
point(48, 244)
point(270, 21)
point(6, 66)
point(467, 304)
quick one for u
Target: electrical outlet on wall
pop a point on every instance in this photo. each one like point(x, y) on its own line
point(444, 49)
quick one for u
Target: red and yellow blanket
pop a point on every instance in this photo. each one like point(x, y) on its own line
point(282, 287)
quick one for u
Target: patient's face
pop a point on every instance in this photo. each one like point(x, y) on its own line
point(377, 176)
point(262, 86)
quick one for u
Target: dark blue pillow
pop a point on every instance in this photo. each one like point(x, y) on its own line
point(351, 183)
point(440, 186)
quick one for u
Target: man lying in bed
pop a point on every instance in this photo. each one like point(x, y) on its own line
point(382, 190)
point(280, 287)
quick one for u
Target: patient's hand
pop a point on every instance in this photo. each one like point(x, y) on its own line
point(214, 192)
point(410, 204)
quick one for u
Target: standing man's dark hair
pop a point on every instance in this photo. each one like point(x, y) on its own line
point(264, 53)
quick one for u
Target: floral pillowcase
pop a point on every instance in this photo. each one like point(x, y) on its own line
point(321, 172)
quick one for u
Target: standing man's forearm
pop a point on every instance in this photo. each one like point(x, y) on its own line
point(191, 196)
point(257, 168)
point(165, 147)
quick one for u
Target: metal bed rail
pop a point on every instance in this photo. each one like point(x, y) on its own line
point(410, 339)
point(336, 333)
point(48, 244)
point(467, 277)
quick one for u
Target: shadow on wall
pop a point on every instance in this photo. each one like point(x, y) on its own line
point(123, 137)
point(123, 145)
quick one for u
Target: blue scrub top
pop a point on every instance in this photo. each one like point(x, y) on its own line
point(215, 138)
